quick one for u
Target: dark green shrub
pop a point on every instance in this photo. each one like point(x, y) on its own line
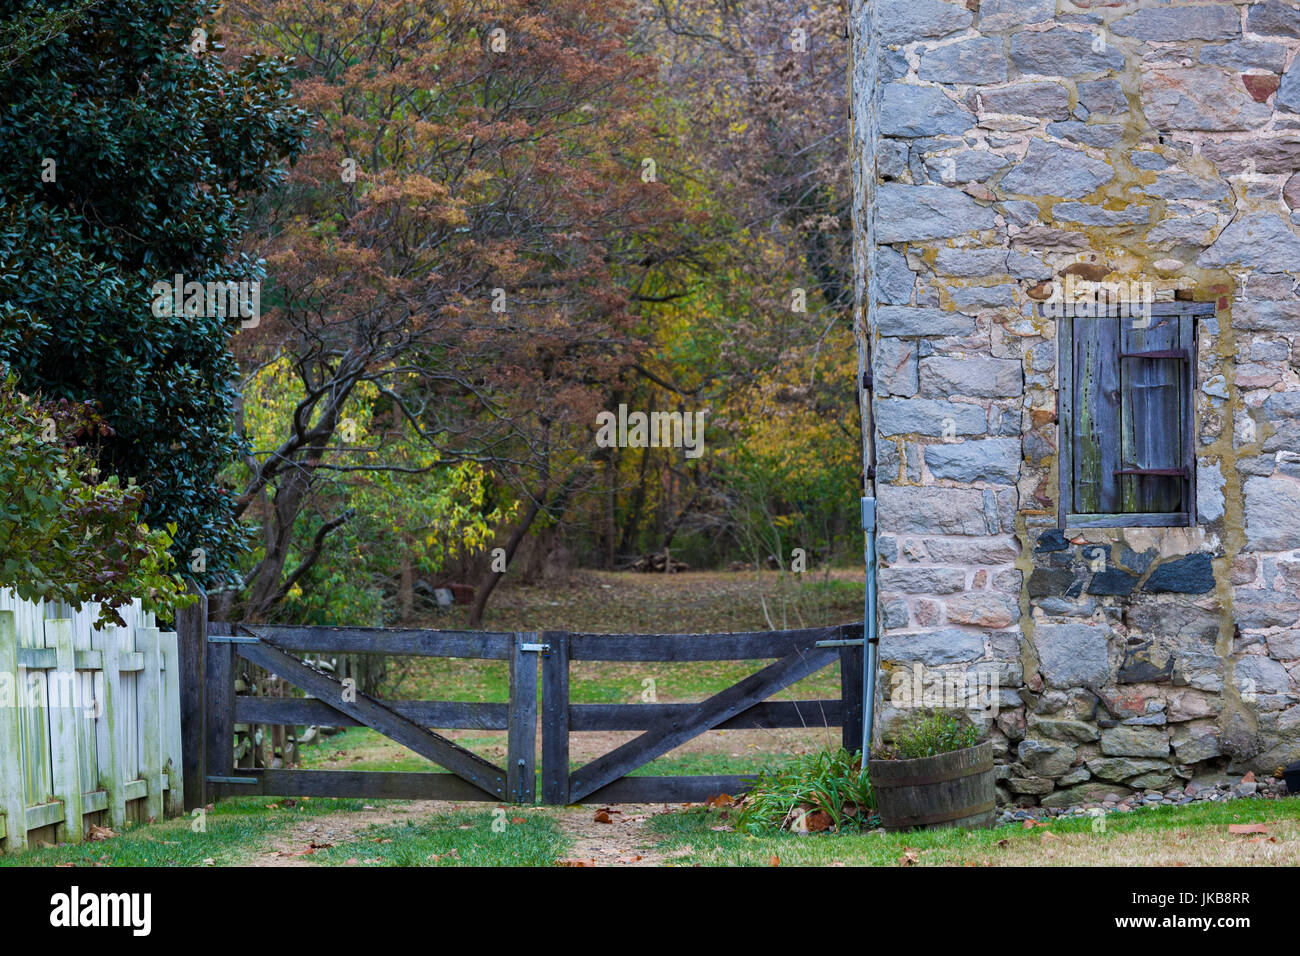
point(834, 782)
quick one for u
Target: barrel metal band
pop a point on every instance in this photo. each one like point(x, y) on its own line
point(948, 817)
point(922, 781)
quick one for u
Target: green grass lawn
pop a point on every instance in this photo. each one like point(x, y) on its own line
point(223, 837)
point(1196, 834)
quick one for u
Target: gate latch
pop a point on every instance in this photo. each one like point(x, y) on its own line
point(535, 648)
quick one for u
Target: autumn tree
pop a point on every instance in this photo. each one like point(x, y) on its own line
point(467, 235)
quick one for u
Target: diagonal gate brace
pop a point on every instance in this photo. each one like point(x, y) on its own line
point(463, 763)
point(675, 731)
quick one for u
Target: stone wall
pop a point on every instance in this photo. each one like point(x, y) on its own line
point(1014, 143)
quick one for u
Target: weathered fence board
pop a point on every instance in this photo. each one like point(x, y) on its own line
point(87, 725)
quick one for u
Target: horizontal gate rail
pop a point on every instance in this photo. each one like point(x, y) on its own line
point(742, 646)
point(362, 784)
point(484, 645)
point(306, 711)
point(771, 715)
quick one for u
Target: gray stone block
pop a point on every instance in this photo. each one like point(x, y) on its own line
point(1049, 169)
point(1060, 51)
point(1001, 14)
point(1040, 99)
point(910, 509)
point(1183, 22)
point(1103, 96)
point(1244, 55)
point(914, 322)
point(1134, 742)
point(1193, 574)
point(923, 580)
point(914, 213)
point(1073, 655)
point(1272, 514)
point(975, 61)
point(975, 376)
point(950, 646)
point(906, 21)
point(1273, 18)
point(993, 460)
point(916, 416)
point(910, 111)
point(893, 279)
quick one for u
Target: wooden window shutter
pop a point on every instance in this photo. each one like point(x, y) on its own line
point(1126, 412)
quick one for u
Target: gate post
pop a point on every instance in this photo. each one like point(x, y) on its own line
point(521, 724)
point(191, 637)
point(555, 719)
point(219, 709)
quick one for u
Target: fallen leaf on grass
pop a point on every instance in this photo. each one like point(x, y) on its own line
point(1004, 843)
point(1047, 837)
point(1248, 828)
point(605, 815)
point(774, 861)
point(518, 820)
point(100, 833)
point(908, 858)
point(818, 821)
point(575, 862)
point(720, 800)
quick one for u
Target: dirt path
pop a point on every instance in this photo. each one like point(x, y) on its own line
point(610, 836)
point(600, 836)
point(294, 845)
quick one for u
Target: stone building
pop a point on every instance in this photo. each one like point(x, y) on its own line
point(1078, 240)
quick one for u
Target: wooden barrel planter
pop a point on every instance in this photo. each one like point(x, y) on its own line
point(948, 790)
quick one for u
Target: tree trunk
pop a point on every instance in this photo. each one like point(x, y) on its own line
point(493, 578)
point(406, 591)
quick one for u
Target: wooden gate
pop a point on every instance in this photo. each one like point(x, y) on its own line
point(329, 702)
point(666, 726)
point(332, 703)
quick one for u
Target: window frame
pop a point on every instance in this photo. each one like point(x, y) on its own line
point(1190, 312)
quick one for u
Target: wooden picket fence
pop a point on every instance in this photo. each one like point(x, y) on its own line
point(90, 729)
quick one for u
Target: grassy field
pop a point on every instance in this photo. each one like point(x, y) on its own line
point(349, 833)
point(317, 832)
